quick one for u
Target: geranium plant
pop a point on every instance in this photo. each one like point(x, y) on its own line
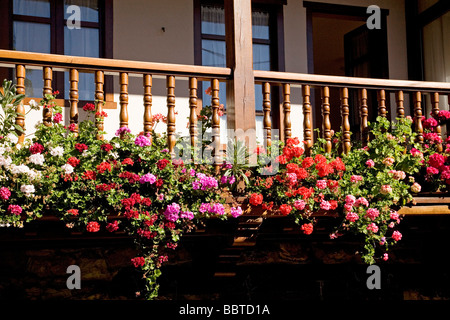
point(365, 187)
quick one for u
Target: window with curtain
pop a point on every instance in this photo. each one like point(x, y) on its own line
point(41, 26)
point(213, 52)
point(213, 44)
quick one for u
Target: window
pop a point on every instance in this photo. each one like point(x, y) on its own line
point(44, 26)
point(267, 47)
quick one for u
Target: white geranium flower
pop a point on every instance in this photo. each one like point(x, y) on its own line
point(33, 175)
point(28, 189)
point(5, 162)
point(68, 169)
point(115, 155)
point(37, 158)
point(57, 151)
point(33, 103)
point(2, 150)
point(20, 169)
point(12, 137)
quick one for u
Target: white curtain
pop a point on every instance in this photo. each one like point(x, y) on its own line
point(436, 49)
point(36, 8)
point(213, 20)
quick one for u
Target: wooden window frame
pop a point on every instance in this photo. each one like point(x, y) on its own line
point(57, 22)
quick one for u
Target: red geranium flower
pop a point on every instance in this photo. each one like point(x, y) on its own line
point(89, 107)
point(307, 228)
point(73, 161)
point(285, 209)
point(89, 175)
point(106, 147)
point(81, 147)
point(162, 163)
point(138, 261)
point(256, 199)
point(93, 226)
point(102, 167)
point(36, 148)
point(73, 212)
point(307, 162)
point(112, 226)
point(127, 161)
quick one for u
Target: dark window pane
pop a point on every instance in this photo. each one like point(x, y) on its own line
point(35, 8)
point(213, 53)
point(82, 42)
point(30, 36)
point(261, 57)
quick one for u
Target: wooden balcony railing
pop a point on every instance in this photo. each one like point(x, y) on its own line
point(383, 92)
point(362, 86)
point(50, 63)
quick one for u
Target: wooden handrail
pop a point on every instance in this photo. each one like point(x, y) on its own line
point(86, 64)
point(275, 77)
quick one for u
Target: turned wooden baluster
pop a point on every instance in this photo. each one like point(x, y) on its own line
point(73, 95)
point(307, 119)
point(435, 113)
point(171, 139)
point(123, 99)
point(47, 110)
point(382, 103)
point(148, 100)
point(193, 86)
point(418, 116)
point(345, 112)
point(364, 115)
point(326, 125)
point(100, 100)
point(215, 103)
point(267, 121)
point(287, 111)
point(400, 104)
point(20, 89)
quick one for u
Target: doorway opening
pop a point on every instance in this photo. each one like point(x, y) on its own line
point(341, 44)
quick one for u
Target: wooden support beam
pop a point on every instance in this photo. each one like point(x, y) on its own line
point(240, 102)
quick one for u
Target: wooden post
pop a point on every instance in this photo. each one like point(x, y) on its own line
point(147, 82)
point(216, 124)
point(47, 110)
point(20, 89)
point(364, 115)
point(171, 139)
point(123, 99)
point(326, 125)
point(241, 88)
point(418, 116)
point(193, 85)
point(287, 111)
point(435, 113)
point(345, 112)
point(307, 119)
point(100, 100)
point(382, 103)
point(73, 77)
point(267, 121)
point(400, 106)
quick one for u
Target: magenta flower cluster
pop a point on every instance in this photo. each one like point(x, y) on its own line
point(204, 182)
point(142, 141)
